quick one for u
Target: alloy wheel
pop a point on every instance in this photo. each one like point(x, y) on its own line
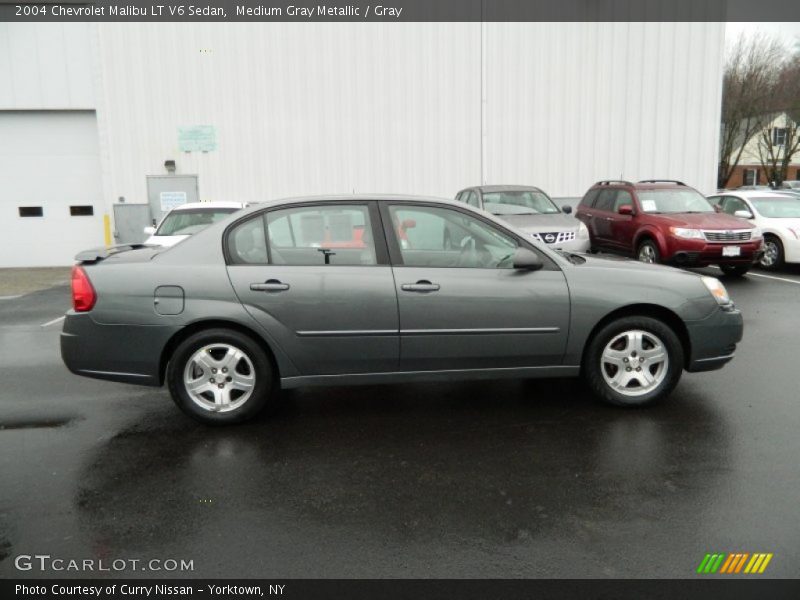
point(219, 377)
point(634, 362)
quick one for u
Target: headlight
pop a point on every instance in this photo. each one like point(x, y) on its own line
point(755, 233)
point(717, 290)
point(688, 234)
point(583, 232)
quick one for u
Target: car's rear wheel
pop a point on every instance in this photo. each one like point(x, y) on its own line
point(220, 376)
point(648, 252)
point(633, 361)
point(773, 254)
point(735, 270)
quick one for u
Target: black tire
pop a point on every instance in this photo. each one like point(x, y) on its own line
point(773, 261)
point(646, 249)
point(593, 367)
point(734, 270)
point(263, 392)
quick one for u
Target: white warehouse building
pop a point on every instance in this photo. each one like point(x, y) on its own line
point(94, 116)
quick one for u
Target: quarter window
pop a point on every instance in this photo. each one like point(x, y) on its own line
point(247, 243)
point(440, 237)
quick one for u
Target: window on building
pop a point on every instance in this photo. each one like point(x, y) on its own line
point(750, 177)
point(778, 136)
point(81, 210)
point(31, 211)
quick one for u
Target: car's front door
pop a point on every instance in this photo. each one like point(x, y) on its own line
point(467, 307)
point(622, 227)
point(317, 278)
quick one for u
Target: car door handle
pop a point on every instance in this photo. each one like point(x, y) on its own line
point(423, 285)
point(270, 285)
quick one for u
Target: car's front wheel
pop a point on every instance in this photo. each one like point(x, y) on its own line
point(220, 376)
point(773, 254)
point(633, 361)
point(648, 252)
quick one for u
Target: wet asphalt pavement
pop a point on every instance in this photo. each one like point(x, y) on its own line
point(488, 479)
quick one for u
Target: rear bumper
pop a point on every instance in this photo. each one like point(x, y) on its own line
point(124, 353)
point(713, 340)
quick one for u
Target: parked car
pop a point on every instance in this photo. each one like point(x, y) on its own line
point(187, 219)
point(660, 221)
point(259, 301)
point(791, 185)
point(777, 214)
point(531, 210)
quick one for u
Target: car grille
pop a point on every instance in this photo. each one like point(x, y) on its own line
point(719, 235)
point(554, 237)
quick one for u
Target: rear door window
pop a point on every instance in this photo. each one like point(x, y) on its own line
point(605, 200)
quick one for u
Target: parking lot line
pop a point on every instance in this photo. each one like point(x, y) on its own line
point(10, 297)
point(795, 281)
point(54, 321)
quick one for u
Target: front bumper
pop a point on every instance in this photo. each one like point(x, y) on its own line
point(713, 339)
point(699, 253)
point(125, 353)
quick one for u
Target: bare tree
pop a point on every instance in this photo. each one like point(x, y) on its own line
point(752, 71)
point(778, 141)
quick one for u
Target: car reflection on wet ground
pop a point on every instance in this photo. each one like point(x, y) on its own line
point(486, 479)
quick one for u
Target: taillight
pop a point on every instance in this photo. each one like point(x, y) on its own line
point(83, 294)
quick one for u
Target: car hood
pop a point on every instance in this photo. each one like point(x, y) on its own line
point(611, 261)
point(541, 223)
point(704, 221)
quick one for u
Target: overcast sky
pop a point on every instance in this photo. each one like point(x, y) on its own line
point(790, 32)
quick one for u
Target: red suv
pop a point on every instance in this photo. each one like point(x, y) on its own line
point(665, 221)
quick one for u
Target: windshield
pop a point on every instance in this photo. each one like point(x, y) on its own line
point(187, 222)
point(777, 208)
point(673, 201)
point(795, 185)
point(522, 202)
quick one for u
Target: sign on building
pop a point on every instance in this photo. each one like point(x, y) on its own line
point(197, 138)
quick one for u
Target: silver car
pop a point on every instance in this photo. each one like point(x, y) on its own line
point(362, 289)
point(532, 211)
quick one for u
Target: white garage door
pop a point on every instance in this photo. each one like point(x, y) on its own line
point(50, 198)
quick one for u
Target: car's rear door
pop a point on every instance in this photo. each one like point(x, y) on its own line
point(466, 307)
point(317, 278)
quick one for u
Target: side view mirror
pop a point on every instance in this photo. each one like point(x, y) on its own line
point(527, 260)
point(408, 224)
point(149, 230)
point(567, 209)
point(743, 214)
point(625, 209)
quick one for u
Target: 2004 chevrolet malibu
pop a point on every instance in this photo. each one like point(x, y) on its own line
point(346, 290)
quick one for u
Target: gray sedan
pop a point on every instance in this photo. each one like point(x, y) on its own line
point(362, 289)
